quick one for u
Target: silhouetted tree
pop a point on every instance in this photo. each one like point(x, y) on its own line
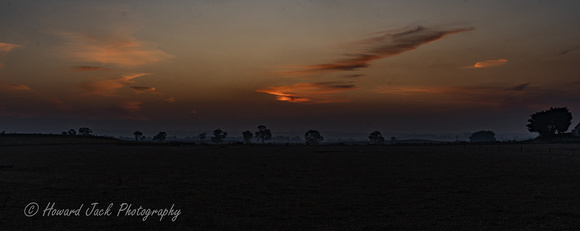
point(247, 137)
point(85, 132)
point(64, 133)
point(138, 135)
point(313, 137)
point(218, 136)
point(263, 133)
point(548, 123)
point(161, 136)
point(482, 136)
point(202, 136)
point(72, 132)
point(376, 137)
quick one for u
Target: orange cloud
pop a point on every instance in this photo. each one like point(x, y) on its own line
point(489, 63)
point(389, 44)
point(16, 87)
point(108, 87)
point(90, 68)
point(121, 49)
point(169, 100)
point(7, 47)
point(309, 92)
point(142, 89)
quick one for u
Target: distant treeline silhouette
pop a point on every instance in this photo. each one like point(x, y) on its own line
point(549, 124)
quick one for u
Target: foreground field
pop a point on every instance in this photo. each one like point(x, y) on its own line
point(445, 187)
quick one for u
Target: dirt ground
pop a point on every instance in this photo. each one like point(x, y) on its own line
point(435, 187)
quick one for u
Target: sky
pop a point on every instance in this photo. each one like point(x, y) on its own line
point(399, 67)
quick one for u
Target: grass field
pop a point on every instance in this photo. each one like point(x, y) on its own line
point(432, 187)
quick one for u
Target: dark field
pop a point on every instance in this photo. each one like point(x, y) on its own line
point(438, 187)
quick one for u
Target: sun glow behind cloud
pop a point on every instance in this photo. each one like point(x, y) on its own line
point(489, 63)
point(309, 92)
point(389, 44)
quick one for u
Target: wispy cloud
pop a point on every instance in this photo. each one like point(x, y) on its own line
point(491, 95)
point(120, 48)
point(90, 68)
point(384, 46)
point(142, 89)
point(309, 92)
point(108, 87)
point(132, 106)
point(489, 63)
point(5, 48)
point(169, 100)
point(568, 51)
point(520, 87)
point(132, 110)
point(20, 100)
point(15, 87)
point(353, 76)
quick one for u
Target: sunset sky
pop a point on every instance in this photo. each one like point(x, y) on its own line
point(400, 66)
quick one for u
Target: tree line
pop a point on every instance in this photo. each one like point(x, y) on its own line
point(552, 123)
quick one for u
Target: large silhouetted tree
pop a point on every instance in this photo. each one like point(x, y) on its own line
point(376, 137)
point(138, 135)
point(85, 131)
point(551, 122)
point(218, 136)
point(313, 137)
point(161, 136)
point(263, 133)
point(72, 132)
point(247, 137)
point(482, 136)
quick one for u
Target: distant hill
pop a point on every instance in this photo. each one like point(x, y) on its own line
point(46, 139)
